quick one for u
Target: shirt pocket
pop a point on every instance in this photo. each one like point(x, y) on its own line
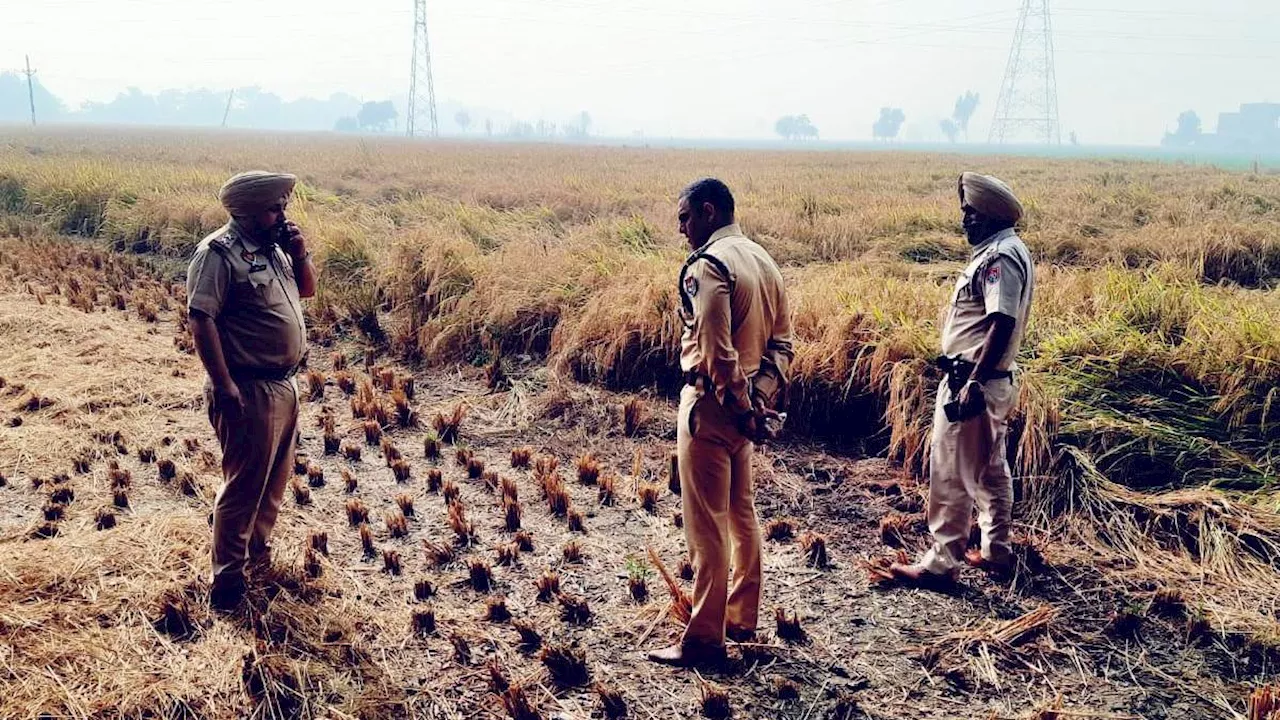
point(274, 294)
point(244, 294)
point(262, 291)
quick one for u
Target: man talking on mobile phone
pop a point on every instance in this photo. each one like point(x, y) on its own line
point(245, 286)
point(985, 324)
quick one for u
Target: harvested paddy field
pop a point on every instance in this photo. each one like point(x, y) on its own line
point(494, 303)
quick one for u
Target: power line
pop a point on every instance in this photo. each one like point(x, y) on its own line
point(1215, 17)
point(420, 70)
point(742, 54)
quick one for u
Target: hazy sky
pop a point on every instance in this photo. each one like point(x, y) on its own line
point(714, 68)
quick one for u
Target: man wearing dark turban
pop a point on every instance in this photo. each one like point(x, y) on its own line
point(244, 289)
point(980, 339)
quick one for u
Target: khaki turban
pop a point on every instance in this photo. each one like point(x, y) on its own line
point(989, 196)
point(254, 191)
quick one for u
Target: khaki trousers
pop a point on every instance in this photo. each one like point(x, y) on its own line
point(257, 459)
point(968, 464)
point(719, 519)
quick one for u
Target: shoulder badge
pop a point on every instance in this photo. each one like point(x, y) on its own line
point(993, 274)
point(690, 286)
point(223, 243)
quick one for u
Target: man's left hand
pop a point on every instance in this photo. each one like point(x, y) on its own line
point(755, 425)
point(972, 400)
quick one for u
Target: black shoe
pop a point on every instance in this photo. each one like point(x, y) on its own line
point(740, 634)
point(259, 565)
point(226, 596)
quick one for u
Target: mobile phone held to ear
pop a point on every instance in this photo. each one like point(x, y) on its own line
point(282, 231)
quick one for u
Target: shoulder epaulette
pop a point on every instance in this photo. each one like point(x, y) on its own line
point(223, 243)
point(223, 240)
point(686, 301)
point(717, 263)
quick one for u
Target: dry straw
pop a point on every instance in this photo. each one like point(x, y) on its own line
point(1145, 420)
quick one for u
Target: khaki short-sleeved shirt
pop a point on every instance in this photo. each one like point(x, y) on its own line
point(739, 317)
point(999, 279)
point(252, 295)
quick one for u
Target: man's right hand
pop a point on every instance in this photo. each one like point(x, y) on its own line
point(227, 400)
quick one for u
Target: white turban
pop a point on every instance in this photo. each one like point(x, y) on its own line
point(989, 196)
point(254, 191)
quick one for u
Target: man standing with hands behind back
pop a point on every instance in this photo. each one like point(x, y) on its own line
point(983, 331)
point(244, 289)
point(735, 353)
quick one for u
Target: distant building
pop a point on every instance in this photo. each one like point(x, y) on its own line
point(1256, 127)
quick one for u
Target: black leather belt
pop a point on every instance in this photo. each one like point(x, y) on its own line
point(247, 373)
point(959, 371)
point(691, 377)
point(964, 368)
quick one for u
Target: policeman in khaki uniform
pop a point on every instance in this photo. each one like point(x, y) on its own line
point(735, 354)
point(980, 340)
point(244, 290)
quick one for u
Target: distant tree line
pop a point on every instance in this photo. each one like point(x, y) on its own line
point(796, 127)
point(253, 107)
point(958, 123)
point(250, 107)
point(1188, 132)
point(371, 117)
point(889, 124)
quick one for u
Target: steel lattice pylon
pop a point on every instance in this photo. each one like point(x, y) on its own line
point(1028, 104)
point(422, 110)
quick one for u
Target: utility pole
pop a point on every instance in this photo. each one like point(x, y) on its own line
point(422, 110)
point(31, 93)
point(230, 96)
point(1029, 93)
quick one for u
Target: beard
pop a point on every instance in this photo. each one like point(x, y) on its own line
point(981, 231)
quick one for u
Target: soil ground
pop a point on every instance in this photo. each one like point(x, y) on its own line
point(346, 639)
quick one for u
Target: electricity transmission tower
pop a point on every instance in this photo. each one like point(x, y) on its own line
point(1028, 105)
point(422, 110)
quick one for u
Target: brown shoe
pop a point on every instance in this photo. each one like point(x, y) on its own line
point(975, 559)
point(917, 576)
point(740, 634)
point(689, 655)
